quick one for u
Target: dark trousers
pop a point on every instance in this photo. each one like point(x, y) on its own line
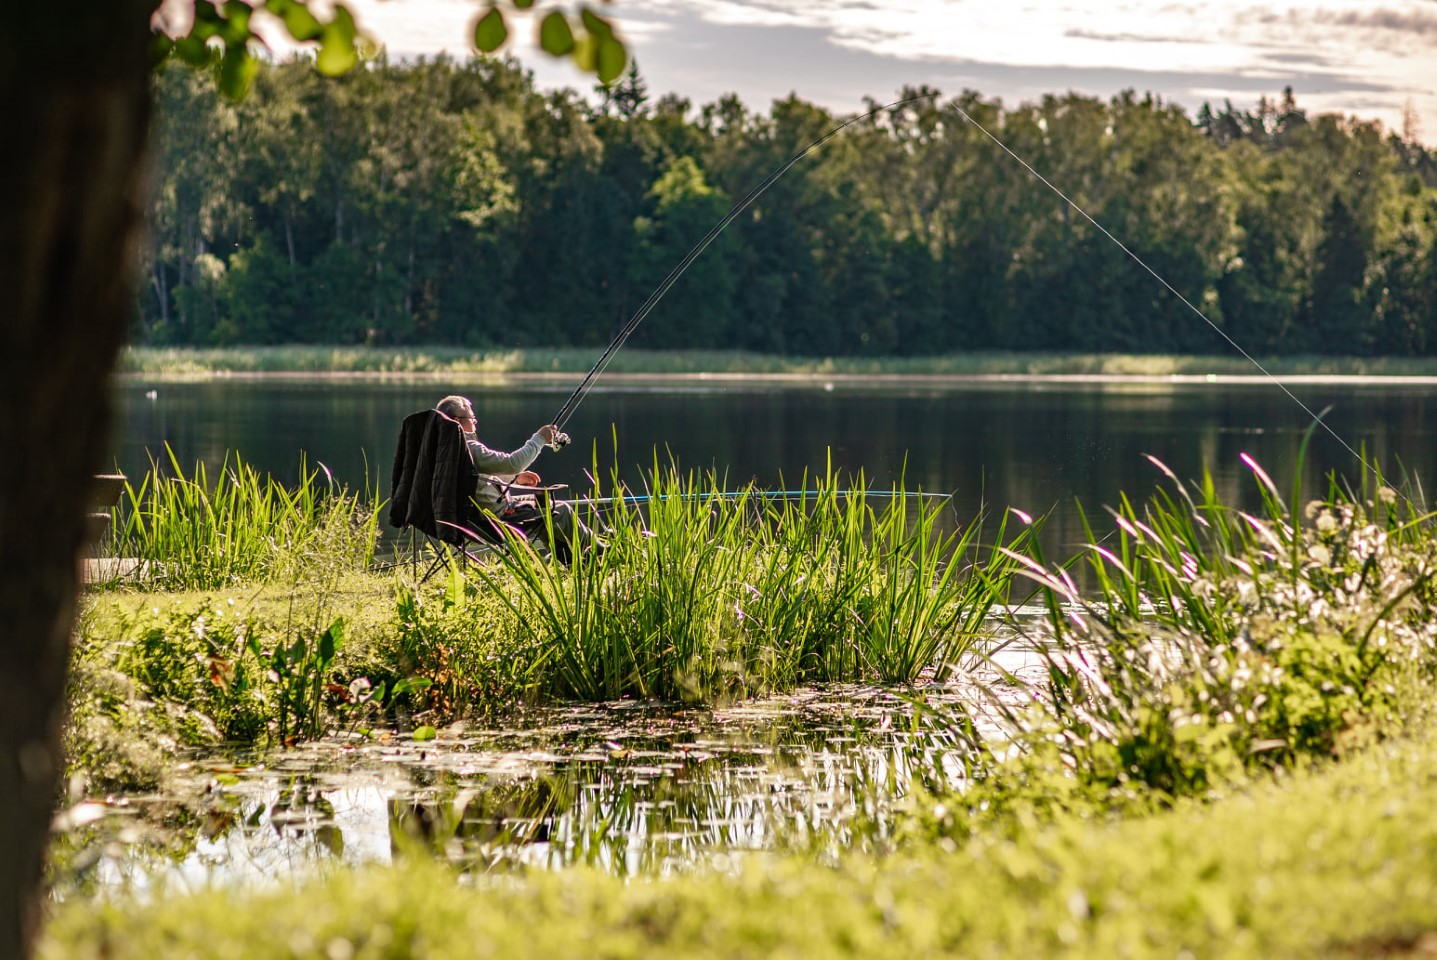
point(569, 531)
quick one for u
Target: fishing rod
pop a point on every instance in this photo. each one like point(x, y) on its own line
point(757, 494)
point(567, 410)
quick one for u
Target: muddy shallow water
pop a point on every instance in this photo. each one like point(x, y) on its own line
point(630, 788)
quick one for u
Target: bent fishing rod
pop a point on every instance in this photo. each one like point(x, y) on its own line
point(567, 410)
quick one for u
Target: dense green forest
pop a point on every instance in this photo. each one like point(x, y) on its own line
point(438, 202)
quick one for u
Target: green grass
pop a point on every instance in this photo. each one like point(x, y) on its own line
point(1337, 861)
point(1216, 642)
point(1231, 752)
point(704, 594)
point(188, 531)
point(187, 362)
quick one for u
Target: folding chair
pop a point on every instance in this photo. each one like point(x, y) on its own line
point(432, 492)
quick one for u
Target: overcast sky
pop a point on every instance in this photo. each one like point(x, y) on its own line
point(1368, 58)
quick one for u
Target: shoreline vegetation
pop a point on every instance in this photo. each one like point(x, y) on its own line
point(199, 363)
point(1226, 752)
point(1338, 861)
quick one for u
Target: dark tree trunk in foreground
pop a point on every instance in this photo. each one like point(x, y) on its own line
point(74, 112)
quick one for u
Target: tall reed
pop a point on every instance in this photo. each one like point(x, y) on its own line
point(702, 593)
point(1217, 640)
point(191, 533)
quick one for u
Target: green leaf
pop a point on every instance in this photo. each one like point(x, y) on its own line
point(554, 34)
point(586, 53)
point(237, 71)
point(161, 47)
point(193, 50)
point(523, 4)
point(597, 26)
point(612, 59)
point(207, 20)
point(235, 28)
point(425, 733)
point(301, 24)
point(490, 32)
point(336, 45)
point(411, 683)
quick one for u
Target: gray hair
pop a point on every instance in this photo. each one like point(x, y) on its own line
point(454, 407)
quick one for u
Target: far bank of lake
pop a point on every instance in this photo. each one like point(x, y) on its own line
point(1030, 441)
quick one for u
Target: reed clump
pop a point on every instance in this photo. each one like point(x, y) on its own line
point(702, 593)
point(188, 531)
point(1216, 645)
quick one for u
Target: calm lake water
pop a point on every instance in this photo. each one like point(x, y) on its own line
point(1035, 445)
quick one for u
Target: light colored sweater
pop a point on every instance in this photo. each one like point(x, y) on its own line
point(495, 465)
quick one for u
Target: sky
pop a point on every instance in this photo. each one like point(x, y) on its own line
point(1375, 59)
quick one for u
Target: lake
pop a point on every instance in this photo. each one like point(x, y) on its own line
point(1035, 444)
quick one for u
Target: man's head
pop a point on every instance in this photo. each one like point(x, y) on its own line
point(458, 408)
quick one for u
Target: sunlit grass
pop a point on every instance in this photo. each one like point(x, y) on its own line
point(188, 531)
point(433, 360)
point(1215, 644)
point(1337, 862)
point(705, 593)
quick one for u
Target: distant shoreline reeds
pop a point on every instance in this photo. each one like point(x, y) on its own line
point(187, 362)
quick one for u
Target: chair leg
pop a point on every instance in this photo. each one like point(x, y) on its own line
point(439, 559)
point(446, 552)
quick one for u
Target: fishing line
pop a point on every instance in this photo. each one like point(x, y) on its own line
point(1156, 276)
point(567, 410)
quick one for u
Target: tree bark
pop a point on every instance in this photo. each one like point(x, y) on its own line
point(74, 106)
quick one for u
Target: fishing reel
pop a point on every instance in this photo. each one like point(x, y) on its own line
point(560, 440)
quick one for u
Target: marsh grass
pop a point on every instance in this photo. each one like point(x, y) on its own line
point(183, 362)
point(703, 593)
point(1218, 643)
point(189, 531)
point(263, 665)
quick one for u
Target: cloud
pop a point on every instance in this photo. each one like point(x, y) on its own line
point(1349, 56)
point(1080, 34)
point(1344, 55)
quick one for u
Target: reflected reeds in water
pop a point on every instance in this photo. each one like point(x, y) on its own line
point(631, 789)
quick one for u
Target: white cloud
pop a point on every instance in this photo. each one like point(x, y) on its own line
point(1352, 55)
point(1358, 56)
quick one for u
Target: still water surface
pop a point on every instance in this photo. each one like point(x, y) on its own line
point(1035, 445)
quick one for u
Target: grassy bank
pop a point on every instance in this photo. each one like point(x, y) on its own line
point(1229, 752)
point(262, 620)
point(1338, 861)
point(183, 362)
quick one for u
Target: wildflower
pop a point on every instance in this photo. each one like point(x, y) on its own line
point(1320, 553)
point(1387, 495)
point(1326, 523)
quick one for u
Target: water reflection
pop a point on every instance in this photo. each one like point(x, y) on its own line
point(627, 788)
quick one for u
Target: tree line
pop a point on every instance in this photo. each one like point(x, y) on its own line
point(440, 202)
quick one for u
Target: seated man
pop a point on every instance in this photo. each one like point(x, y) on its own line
point(499, 472)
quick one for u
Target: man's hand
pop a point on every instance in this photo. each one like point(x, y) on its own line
point(527, 479)
point(547, 431)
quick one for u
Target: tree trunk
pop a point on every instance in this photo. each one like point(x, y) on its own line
point(74, 105)
point(161, 284)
